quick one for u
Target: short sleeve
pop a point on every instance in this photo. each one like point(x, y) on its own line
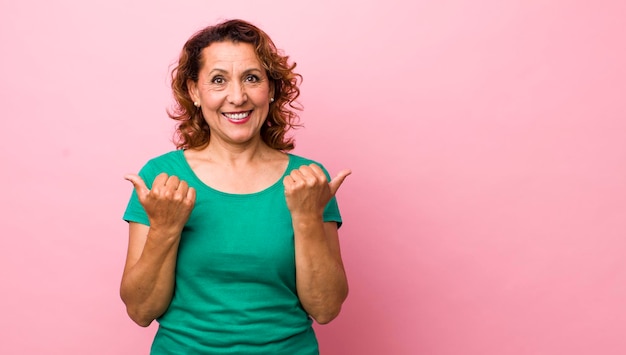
point(331, 211)
point(134, 210)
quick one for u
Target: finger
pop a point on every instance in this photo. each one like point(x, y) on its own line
point(160, 180)
point(288, 182)
point(296, 175)
point(310, 177)
point(173, 182)
point(338, 180)
point(191, 195)
point(305, 170)
point(139, 184)
point(317, 171)
point(158, 185)
point(181, 190)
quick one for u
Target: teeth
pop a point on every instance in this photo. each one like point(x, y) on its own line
point(237, 116)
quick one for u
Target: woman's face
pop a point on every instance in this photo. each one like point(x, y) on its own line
point(233, 92)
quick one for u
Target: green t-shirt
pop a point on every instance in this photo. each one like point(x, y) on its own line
point(235, 289)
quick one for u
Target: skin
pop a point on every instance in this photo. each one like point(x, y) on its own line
point(234, 94)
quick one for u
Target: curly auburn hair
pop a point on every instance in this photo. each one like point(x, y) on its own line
point(192, 131)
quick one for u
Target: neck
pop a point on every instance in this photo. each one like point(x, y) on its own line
point(234, 155)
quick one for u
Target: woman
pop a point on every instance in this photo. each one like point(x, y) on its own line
point(233, 243)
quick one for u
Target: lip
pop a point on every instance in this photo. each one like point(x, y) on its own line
point(229, 116)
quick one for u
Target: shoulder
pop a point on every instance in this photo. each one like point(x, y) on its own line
point(172, 157)
point(166, 157)
point(169, 162)
point(296, 161)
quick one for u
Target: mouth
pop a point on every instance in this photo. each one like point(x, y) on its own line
point(237, 117)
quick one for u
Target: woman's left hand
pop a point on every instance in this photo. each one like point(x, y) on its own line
point(307, 190)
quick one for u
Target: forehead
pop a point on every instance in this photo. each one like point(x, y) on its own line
point(227, 55)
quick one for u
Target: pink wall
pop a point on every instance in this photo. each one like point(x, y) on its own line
point(487, 209)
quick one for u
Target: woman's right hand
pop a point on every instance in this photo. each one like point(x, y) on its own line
point(168, 204)
point(149, 273)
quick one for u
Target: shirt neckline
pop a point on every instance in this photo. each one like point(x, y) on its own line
point(203, 185)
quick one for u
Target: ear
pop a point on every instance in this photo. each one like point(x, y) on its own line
point(272, 89)
point(192, 89)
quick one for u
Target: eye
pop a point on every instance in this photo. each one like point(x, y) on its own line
point(251, 78)
point(218, 80)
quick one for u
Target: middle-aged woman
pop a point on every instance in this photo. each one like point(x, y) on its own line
point(233, 242)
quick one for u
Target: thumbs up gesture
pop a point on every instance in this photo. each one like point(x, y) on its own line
point(307, 190)
point(168, 204)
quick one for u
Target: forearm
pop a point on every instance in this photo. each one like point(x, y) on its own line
point(320, 277)
point(147, 287)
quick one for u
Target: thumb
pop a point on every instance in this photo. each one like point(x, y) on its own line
point(338, 180)
point(139, 184)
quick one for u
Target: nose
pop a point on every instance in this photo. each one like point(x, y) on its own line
point(237, 94)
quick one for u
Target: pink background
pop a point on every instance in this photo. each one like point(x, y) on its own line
point(487, 209)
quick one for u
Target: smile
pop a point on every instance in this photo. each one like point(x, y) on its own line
point(238, 116)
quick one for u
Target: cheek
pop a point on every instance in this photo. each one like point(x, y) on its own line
point(213, 98)
point(261, 95)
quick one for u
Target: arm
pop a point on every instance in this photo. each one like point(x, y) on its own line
point(320, 277)
point(148, 279)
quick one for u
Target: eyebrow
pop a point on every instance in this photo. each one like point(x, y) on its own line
point(247, 71)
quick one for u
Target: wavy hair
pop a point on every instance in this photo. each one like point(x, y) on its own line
point(192, 131)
